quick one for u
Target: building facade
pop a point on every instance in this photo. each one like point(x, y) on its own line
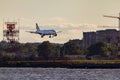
point(107, 36)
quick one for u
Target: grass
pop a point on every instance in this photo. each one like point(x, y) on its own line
point(72, 61)
point(95, 61)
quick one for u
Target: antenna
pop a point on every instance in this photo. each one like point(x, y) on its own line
point(10, 32)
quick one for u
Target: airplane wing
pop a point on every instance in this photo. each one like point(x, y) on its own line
point(32, 32)
point(59, 32)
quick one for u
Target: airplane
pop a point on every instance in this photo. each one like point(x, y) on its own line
point(43, 33)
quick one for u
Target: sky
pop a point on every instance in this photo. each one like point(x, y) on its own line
point(72, 17)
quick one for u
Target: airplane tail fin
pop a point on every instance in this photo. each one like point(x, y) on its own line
point(37, 27)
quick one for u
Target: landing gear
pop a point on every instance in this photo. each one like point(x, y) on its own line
point(50, 36)
point(42, 36)
point(55, 35)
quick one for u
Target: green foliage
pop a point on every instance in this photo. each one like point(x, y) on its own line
point(71, 48)
point(2, 53)
point(47, 50)
point(98, 49)
point(114, 50)
point(17, 51)
point(28, 48)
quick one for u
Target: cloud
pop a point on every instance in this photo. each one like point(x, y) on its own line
point(68, 25)
point(27, 28)
point(58, 20)
point(69, 30)
point(75, 33)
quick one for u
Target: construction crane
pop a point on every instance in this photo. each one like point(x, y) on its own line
point(116, 17)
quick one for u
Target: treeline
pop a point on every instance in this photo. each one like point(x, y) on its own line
point(50, 51)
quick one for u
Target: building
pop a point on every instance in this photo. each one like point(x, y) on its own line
point(89, 38)
point(107, 36)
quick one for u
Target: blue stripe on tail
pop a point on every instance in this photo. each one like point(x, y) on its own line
point(37, 27)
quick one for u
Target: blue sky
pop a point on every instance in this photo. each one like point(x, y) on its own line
point(72, 17)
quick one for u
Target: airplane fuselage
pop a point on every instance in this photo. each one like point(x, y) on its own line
point(47, 32)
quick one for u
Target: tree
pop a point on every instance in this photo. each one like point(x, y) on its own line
point(2, 54)
point(114, 50)
point(28, 48)
point(99, 48)
point(31, 48)
point(47, 50)
point(71, 48)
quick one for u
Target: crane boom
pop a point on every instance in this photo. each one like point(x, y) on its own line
point(114, 17)
point(111, 16)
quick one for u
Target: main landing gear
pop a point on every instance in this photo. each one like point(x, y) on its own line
point(50, 36)
point(42, 36)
